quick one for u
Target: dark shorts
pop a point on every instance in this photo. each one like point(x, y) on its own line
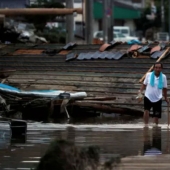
point(156, 106)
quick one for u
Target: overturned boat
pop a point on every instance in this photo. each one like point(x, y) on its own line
point(35, 104)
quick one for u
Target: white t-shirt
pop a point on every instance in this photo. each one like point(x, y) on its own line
point(154, 94)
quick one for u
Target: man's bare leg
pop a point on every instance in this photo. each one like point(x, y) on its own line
point(156, 120)
point(146, 117)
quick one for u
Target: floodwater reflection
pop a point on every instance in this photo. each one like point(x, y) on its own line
point(119, 139)
point(152, 142)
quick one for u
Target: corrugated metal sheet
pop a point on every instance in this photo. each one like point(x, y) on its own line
point(101, 55)
point(157, 54)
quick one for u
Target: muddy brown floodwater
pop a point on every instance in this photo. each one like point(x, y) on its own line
point(116, 137)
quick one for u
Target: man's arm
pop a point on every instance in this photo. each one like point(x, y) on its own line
point(143, 87)
point(140, 95)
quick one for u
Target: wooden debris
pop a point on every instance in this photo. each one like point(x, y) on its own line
point(26, 51)
point(3, 81)
point(101, 98)
point(107, 107)
point(111, 84)
point(4, 73)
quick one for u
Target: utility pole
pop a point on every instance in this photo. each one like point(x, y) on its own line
point(113, 20)
point(162, 15)
point(69, 23)
point(143, 3)
point(110, 20)
point(169, 18)
point(105, 21)
point(89, 21)
point(108, 6)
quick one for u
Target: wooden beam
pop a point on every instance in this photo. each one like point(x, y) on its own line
point(101, 98)
point(109, 108)
point(159, 59)
point(40, 11)
point(168, 116)
point(3, 81)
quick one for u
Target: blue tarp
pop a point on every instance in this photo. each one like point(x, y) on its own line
point(43, 93)
point(131, 42)
point(38, 93)
point(4, 86)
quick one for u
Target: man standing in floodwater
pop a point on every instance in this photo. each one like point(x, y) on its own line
point(155, 84)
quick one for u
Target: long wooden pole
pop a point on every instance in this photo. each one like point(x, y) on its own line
point(159, 59)
point(168, 141)
point(168, 116)
point(40, 11)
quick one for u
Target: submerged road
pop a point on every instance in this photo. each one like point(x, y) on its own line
point(125, 138)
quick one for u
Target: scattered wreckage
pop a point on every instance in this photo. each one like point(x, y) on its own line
point(13, 32)
point(14, 100)
point(108, 73)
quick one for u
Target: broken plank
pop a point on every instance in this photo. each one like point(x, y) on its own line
point(100, 98)
point(75, 83)
point(110, 109)
point(65, 73)
point(74, 78)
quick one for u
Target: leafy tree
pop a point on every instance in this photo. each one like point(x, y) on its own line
point(40, 20)
point(143, 23)
point(166, 11)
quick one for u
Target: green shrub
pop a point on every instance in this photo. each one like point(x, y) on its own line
point(53, 36)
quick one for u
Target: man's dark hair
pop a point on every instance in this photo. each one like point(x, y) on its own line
point(158, 63)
